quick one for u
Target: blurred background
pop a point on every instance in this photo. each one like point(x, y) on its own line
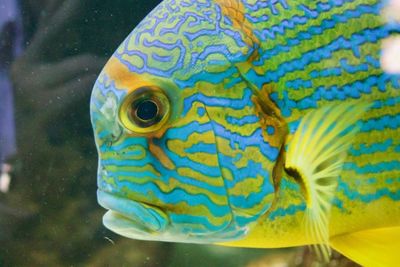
point(51, 52)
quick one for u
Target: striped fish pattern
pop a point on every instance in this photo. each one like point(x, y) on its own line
point(239, 77)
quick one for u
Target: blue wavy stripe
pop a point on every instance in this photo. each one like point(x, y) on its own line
point(195, 4)
point(207, 32)
point(173, 7)
point(189, 220)
point(347, 191)
point(132, 175)
point(126, 144)
point(194, 19)
point(174, 28)
point(107, 91)
point(133, 153)
point(267, 4)
point(373, 168)
point(309, 14)
point(290, 210)
point(126, 162)
point(314, 56)
point(211, 77)
point(329, 72)
point(147, 26)
point(255, 140)
point(286, 105)
point(179, 161)
point(202, 148)
point(248, 119)
point(298, 84)
point(352, 90)
point(389, 102)
point(251, 170)
point(382, 123)
point(176, 196)
point(218, 190)
point(183, 132)
point(161, 58)
point(213, 50)
point(178, 65)
point(318, 30)
point(371, 148)
point(214, 101)
point(251, 200)
point(352, 69)
point(257, 19)
point(367, 198)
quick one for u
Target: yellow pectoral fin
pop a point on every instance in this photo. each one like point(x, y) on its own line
point(371, 248)
point(315, 158)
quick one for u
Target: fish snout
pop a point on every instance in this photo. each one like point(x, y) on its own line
point(126, 215)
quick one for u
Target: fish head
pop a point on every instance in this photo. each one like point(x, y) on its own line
point(176, 130)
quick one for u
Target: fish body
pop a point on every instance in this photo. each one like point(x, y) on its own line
point(253, 124)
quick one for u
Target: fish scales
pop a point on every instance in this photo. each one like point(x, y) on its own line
point(313, 61)
point(241, 76)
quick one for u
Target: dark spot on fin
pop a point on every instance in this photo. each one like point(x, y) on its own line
point(294, 174)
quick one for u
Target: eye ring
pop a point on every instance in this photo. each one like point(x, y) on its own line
point(145, 110)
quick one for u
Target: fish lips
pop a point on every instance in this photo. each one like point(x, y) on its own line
point(130, 218)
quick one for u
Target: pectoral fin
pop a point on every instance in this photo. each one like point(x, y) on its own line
point(371, 248)
point(315, 157)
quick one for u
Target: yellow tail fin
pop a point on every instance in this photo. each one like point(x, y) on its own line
point(371, 248)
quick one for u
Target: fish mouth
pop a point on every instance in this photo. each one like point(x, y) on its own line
point(130, 218)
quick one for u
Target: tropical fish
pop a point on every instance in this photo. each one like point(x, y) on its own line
point(254, 124)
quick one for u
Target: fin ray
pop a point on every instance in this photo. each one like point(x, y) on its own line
point(317, 152)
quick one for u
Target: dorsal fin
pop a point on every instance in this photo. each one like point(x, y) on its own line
point(315, 157)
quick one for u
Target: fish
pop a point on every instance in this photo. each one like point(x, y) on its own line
point(249, 123)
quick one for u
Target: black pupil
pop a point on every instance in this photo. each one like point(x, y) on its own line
point(147, 110)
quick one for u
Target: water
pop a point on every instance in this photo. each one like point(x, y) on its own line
point(50, 216)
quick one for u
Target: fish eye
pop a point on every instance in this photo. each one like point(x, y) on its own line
point(145, 110)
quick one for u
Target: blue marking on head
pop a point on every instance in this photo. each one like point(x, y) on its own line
point(242, 142)
point(202, 148)
point(176, 196)
point(248, 119)
point(225, 102)
point(270, 130)
point(201, 111)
